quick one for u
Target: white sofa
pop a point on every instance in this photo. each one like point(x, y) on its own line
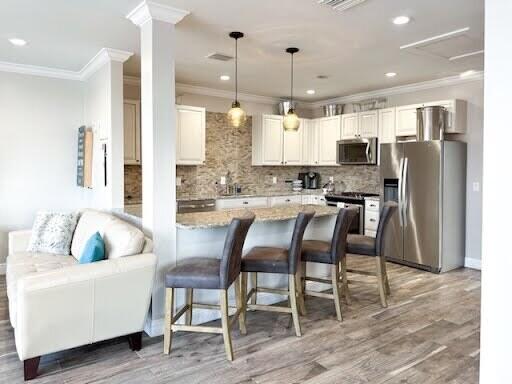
point(56, 303)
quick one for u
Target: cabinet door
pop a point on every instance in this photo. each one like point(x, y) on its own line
point(293, 145)
point(349, 126)
point(406, 120)
point(250, 202)
point(277, 201)
point(313, 142)
point(387, 122)
point(305, 125)
point(272, 140)
point(368, 124)
point(131, 132)
point(329, 131)
point(190, 135)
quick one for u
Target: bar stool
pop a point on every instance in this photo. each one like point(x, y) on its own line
point(374, 247)
point(279, 261)
point(208, 273)
point(332, 253)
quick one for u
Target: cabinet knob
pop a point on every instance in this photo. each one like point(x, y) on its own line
point(246, 202)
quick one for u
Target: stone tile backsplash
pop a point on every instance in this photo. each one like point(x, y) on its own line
point(228, 153)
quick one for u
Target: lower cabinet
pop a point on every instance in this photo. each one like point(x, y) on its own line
point(277, 201)
point(249, 202)
point(371, 217)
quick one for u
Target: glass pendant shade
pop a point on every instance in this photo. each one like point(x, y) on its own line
point(291, 121)
point(236, 115)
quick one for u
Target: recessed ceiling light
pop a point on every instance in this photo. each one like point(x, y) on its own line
point(391, 74)
point(310, 91)
point(467, 73)
point(18, 42)
point(401, 20)
point(224, 77)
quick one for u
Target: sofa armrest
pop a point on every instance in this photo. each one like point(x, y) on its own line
point(83, 304)
point(18, 240)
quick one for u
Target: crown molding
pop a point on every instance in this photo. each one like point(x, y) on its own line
point(36, 70)
point(401, 89)
point(149, 10)
point(104, 56)
point(198, 90)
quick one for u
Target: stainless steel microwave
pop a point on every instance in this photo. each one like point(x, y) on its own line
point(357, 151)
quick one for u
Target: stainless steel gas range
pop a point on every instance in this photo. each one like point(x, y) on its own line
point(351, 200)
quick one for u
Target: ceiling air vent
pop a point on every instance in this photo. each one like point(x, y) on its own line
point(219, 57)
point(341, 5)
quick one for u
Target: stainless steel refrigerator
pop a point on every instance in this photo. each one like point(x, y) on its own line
point(428, 181)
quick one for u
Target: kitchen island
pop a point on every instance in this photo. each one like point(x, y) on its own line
point(202, 234)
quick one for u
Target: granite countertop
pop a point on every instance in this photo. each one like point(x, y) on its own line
point(223, 218)
point(191, 197)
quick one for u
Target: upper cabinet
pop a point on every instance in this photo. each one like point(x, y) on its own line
point(359, 125)
point(293, 145)
point(132, 132)
point(329, 132)
point(387, 123)
point(456, 118)
point(190, 135)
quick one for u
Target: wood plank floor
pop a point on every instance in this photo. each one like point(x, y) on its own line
point(429, 334)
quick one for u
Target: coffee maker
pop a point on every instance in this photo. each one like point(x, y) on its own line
point(310, 180)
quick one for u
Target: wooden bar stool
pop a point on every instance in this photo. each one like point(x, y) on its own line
point(374, 247)
point(280, 261)
point(332, 253)
point(208, 273)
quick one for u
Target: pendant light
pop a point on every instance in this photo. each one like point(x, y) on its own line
point(236, 115)
point(291, 121)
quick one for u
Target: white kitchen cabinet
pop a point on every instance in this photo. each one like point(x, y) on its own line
point(312, 145)
point(329, 132)
point(387, 123)
point(349, 126)
point(318, 200)
point(267, 140)
point(247, 202)
point(293, 145)
point(190, 135)
point(306, 199)
point(371, 217)
point(406, 120)
point(131, 131)
point(368, 124)
point(277, 201)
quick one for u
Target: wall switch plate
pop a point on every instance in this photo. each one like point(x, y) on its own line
point(223, 180)
point(274, 180)
point(178, 181)
point(476, 186)
point(331, 179)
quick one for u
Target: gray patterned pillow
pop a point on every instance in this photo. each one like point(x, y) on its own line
point(52, 232)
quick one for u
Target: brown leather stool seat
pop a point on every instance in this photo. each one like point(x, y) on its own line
point(361, 245)
point(266, 259)
point(316, 251)
point(197, 272)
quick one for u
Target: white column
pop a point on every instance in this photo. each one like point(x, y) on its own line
point(496, 315)
point(157, 23)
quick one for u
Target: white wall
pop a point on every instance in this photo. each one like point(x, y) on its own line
point(39, 120)
point(496, 338)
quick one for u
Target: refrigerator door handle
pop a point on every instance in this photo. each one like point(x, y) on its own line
point(400, 188)
point(405, 199)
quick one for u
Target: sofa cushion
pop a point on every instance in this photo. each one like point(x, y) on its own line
point(52, 232)
point(122, 239)
point(89, 223)
point(22, 264)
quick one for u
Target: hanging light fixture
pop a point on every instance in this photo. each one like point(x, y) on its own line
point(236, 115)
point(291, 121)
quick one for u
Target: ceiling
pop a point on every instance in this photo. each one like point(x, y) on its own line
point(354, 48)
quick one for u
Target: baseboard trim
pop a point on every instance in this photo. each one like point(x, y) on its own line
point(473, 263)
point(2, 269)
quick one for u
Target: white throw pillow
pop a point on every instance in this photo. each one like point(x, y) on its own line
point(52, 232)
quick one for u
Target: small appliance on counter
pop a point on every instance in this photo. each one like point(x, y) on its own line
point(310, 180)
point(329, 187)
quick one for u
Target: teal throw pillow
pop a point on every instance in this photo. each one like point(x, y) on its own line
point(94, 250)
